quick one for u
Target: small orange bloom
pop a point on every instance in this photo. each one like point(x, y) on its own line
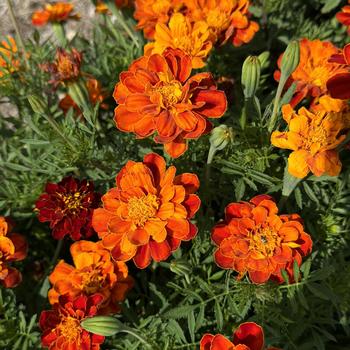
point(8, 61)
point(57, 12)
point(96, 95)
point(13, 247)
point(94, 271)
point(344, 16)
point(313, 137)
point(147, 215)
point(180, 33)
point(66, 67)
point(313, 71)
point(226, 19)
point(157, 95)
point(254, 239)
point(150, 12)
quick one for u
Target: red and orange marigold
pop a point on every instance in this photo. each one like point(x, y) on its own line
point(314, 136)
point(94, 271)
point(313, 71)
point(68, 207)
point(61, 326)
point(157, 95)
point(54, 13)
point(8, 61)
point(147, 214)
point(344, 16)
point(254, 239)
point(228, 20)
point(13, 247)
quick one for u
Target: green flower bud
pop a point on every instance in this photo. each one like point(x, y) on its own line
point(37, 104)
point(250, 76)
point(264, 59)
point(220, 137)
point(180, 267)
point(101, 325)
point(290, 59)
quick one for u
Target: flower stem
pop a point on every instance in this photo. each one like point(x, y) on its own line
point(274, 114)
point(60, 34)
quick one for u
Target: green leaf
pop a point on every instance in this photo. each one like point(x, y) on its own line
point(289, 183)
point(191, 322)
point(218, 315)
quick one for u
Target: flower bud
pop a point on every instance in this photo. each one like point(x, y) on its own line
point(250, 76)
point(37, 104)
point(290, 59)
point(220, 137)
point(264, 58)
point(101, 325)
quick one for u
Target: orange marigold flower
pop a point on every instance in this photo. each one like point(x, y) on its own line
point(344, 16)
point(180, 33)
point(226, 19)
point(94, 271)
point(13, 247)
point(313, 71)
point(56, 12)
point(147, 214)
point(150, 12)
point(248, 336)
point(158, 95)
point(61, 326)
point(66, 67)
point(338, 85)
point(68, 207)
point(96, 95)
point(313, 137)
point(8, 61)
point(254, 239)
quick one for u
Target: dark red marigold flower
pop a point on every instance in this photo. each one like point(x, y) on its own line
point(68, 206)
point(61, 326)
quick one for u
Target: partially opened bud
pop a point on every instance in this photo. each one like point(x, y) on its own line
point(101, 325)
point(290, 59)
point(220, 137)
point(251, 76)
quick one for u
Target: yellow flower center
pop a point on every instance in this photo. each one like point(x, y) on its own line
point(143, 208)
point(92, 279)
point(72, 202)
point(317, 136)
point(171, 93)
point(217, 20)
point(70, 329)
point(264, 240)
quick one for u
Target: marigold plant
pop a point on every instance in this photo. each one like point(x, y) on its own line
point(68, 207)
point(313, 136)
point(158, 95)
point(94, 271)
point(313, 71)
point(61, 326)
point(254, 239)
point(54, 13)
point(13, 247)
point(147, 214)
point(180, 33)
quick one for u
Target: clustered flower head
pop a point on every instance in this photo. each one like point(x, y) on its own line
point(54, 13)
point(68, 206)
point(61, 326)
point(94, 271)
point(66, 68)
point(254, 239)
point(13, 247)
point(157, 95)
point(147, 214)
point(9, 63)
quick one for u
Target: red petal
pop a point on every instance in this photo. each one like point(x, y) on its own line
point(160, 251)
point(143, 256)
point(249, 334)
point(215, 103)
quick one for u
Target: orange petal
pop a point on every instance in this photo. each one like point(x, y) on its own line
point(177, 147)
point(297, 163)
point(192, 205)
point(189, 181)
point(125, 120)
point(138, 237)
point(159, 251)
point(143, 256)
point(179, 228)
point(156, 164)
point(187, 121)
point(215, 103)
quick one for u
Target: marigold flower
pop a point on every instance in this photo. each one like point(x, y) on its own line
point(8, 61)
point(96, 95)
point(157, 95)
point(254, 239)
point(313, 137)
point(248, 336)
point(180, 33)
point(68, 207)
point(226, 19)
point(147, 214)
point(13, 247)
point(150, 12)
point(53, 13)
point(338, 85)
point(94, 271)
point(101, 6)
point(313, 71)
point(66, 67)
point(61, 326)
point(344, 16)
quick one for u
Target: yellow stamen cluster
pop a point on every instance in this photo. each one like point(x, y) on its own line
point(143, 208)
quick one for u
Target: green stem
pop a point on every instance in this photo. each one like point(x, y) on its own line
point(18, 33)
point(243, 119)
point(60, 34)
